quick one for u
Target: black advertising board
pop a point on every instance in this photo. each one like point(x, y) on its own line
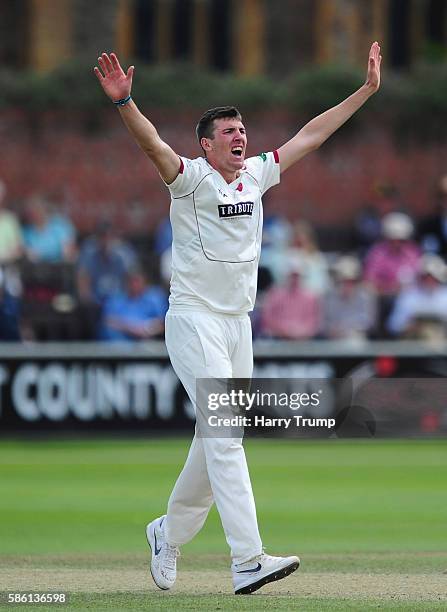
point(93, 387)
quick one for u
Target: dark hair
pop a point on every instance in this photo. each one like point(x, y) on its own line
point(205, 127)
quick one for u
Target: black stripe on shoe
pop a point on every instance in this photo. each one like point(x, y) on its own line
point(278, 575)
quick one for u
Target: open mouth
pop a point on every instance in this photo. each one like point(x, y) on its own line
point(237, 151)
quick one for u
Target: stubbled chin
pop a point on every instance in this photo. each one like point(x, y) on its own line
point(238, 162)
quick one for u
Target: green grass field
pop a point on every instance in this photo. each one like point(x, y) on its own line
point(368, 519)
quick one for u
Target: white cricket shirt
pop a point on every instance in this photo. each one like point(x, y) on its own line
point(217, 233)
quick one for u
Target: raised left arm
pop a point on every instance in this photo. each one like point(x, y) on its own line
point(318, 130)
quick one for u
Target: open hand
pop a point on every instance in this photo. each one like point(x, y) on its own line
point(114, 81)
point(374, 61)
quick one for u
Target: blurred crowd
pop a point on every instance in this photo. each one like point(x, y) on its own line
point(389, 282)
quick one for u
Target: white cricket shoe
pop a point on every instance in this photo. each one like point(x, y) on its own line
point(164, 556)
point(252, 575)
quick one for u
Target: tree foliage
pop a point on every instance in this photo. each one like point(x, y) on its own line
point(411, 106)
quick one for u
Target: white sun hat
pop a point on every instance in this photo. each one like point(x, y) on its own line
point(397, 226)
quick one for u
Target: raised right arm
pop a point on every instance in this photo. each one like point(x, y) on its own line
point(117, 85)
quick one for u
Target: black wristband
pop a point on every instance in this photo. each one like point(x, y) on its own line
point(122, 102)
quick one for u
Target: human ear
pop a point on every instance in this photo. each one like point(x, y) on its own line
point(205, 144)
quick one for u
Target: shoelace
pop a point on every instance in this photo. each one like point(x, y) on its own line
point(259, 557)
point(170, 556)
point(263, 557)
point(256, 559)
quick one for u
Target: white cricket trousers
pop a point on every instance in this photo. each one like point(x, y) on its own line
point(202, 344)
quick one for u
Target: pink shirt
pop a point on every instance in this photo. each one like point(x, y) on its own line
point(290, 312)
point(388, 268)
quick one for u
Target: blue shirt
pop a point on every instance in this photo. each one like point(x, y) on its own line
point(48, 242)
point(107, 271)
point(145, 308)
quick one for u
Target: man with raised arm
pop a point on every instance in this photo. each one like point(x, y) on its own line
point(216, 216)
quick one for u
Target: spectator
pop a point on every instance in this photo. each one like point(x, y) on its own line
point(421, 310)
point(163, 236)
point(48, 237)
point(315, 275)
point(11, 246)
point(137, 313)
point(275, 243)
point(291, 311)
point(103, 265)
point(350, 309)
point(433, 229)
point(11, 249)
point(9, 312)
point(276, 228)
point(163, 248)
point(368, 228)
point(393, 262)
